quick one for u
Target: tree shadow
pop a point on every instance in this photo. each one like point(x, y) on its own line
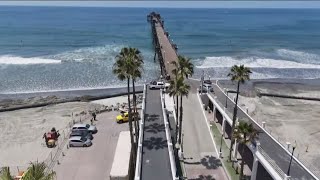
point(152, 117)
point(155, 143)
point(204, 177)
point(154, 128)
point(211, 162)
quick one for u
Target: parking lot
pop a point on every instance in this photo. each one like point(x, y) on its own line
point(83, 163)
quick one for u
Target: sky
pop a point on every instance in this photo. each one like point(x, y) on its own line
point(171, 4)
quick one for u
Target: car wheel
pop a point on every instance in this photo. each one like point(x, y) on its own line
point(121, 122)
point(70, 145)
point(85, 145)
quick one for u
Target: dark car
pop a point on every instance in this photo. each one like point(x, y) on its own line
point(85, 134)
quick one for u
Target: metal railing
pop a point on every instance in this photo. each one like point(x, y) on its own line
point(168, 136)
point(140, 141)
point(272, 162)
point(250, 119)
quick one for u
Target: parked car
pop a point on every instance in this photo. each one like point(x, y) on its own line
point(77, 141)
point(205, 88)
point(85, 127)
point(124, 117)
point(85, 134)
point(208, 82)
point(158, 85)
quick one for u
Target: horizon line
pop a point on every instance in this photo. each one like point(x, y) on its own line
point(146, 7)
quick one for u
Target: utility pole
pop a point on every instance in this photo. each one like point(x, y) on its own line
point(202, 79)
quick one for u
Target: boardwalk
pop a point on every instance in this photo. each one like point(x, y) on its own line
point(168, 53)
point(155, 159)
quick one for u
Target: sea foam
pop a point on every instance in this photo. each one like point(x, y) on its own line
point(17, 60)
point(254, 62)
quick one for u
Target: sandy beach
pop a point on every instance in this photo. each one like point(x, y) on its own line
point(21, 131)
point(288, 120)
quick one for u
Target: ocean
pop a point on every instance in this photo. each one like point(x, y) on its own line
point(65, 48)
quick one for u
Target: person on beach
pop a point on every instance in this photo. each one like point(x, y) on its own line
point(45, 138)
point(94, 116)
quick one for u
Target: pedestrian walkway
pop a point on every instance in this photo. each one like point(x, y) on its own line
point(200, 156)
point(155, 155)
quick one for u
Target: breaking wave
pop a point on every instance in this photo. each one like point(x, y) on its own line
point(17, 60)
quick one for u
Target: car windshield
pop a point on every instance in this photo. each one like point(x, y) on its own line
point(83, 139)
point(87, 125)
point(75, 134)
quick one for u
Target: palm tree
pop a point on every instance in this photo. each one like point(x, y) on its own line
point(5, 174)
point(135, 73)
point(37, 171)
point(244, 133)
point(239, 74)
point(183, 67)
point(173, 91)
point(183, 90)
point(122, 68)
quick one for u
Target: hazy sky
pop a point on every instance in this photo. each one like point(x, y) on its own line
point(173, 4)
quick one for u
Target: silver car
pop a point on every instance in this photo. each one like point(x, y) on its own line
point(205, 88)
point(78, 141)
point(85, 127)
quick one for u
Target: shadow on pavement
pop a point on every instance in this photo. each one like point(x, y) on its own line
point(211, 162)
point(155, 143)
point(152, 117)
point(155, 128)
point(202, 177)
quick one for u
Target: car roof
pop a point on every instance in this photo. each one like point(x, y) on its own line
point(79, 132)
point(75, 138)
point(79, 125)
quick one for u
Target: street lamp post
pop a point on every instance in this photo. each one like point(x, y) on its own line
point(293, 148)
point(227, 98)
point(220, 151)
point(202, 79)
point(177, 147)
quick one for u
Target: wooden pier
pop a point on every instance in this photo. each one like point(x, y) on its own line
point(165, 50)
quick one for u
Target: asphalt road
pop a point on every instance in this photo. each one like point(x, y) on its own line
point(201, 159)
point(93, 162)
point(274, 150)
point(155, 158)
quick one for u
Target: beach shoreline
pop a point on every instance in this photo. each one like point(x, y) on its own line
point(40, 99)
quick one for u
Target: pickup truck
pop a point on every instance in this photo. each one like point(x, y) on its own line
point(158, 85)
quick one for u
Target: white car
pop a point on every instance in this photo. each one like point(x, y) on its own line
point(206, 88)
point(158, 85)
point(78, 141)
point(85, 127)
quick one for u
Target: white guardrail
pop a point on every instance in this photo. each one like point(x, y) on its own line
point(140, 141)
point(168, 136)
point(264, 130)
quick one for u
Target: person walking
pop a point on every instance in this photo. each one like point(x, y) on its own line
point(94, 116)
point(45, 138)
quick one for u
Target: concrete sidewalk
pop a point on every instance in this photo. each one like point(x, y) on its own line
point(201, 158)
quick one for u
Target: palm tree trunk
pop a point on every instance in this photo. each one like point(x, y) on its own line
point(235, 110)
point(135, 118)
point(180, 121)
point(242, 160)
point(177, 124)
point(130, 117)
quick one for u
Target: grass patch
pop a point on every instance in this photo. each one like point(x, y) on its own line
point(225, 152)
